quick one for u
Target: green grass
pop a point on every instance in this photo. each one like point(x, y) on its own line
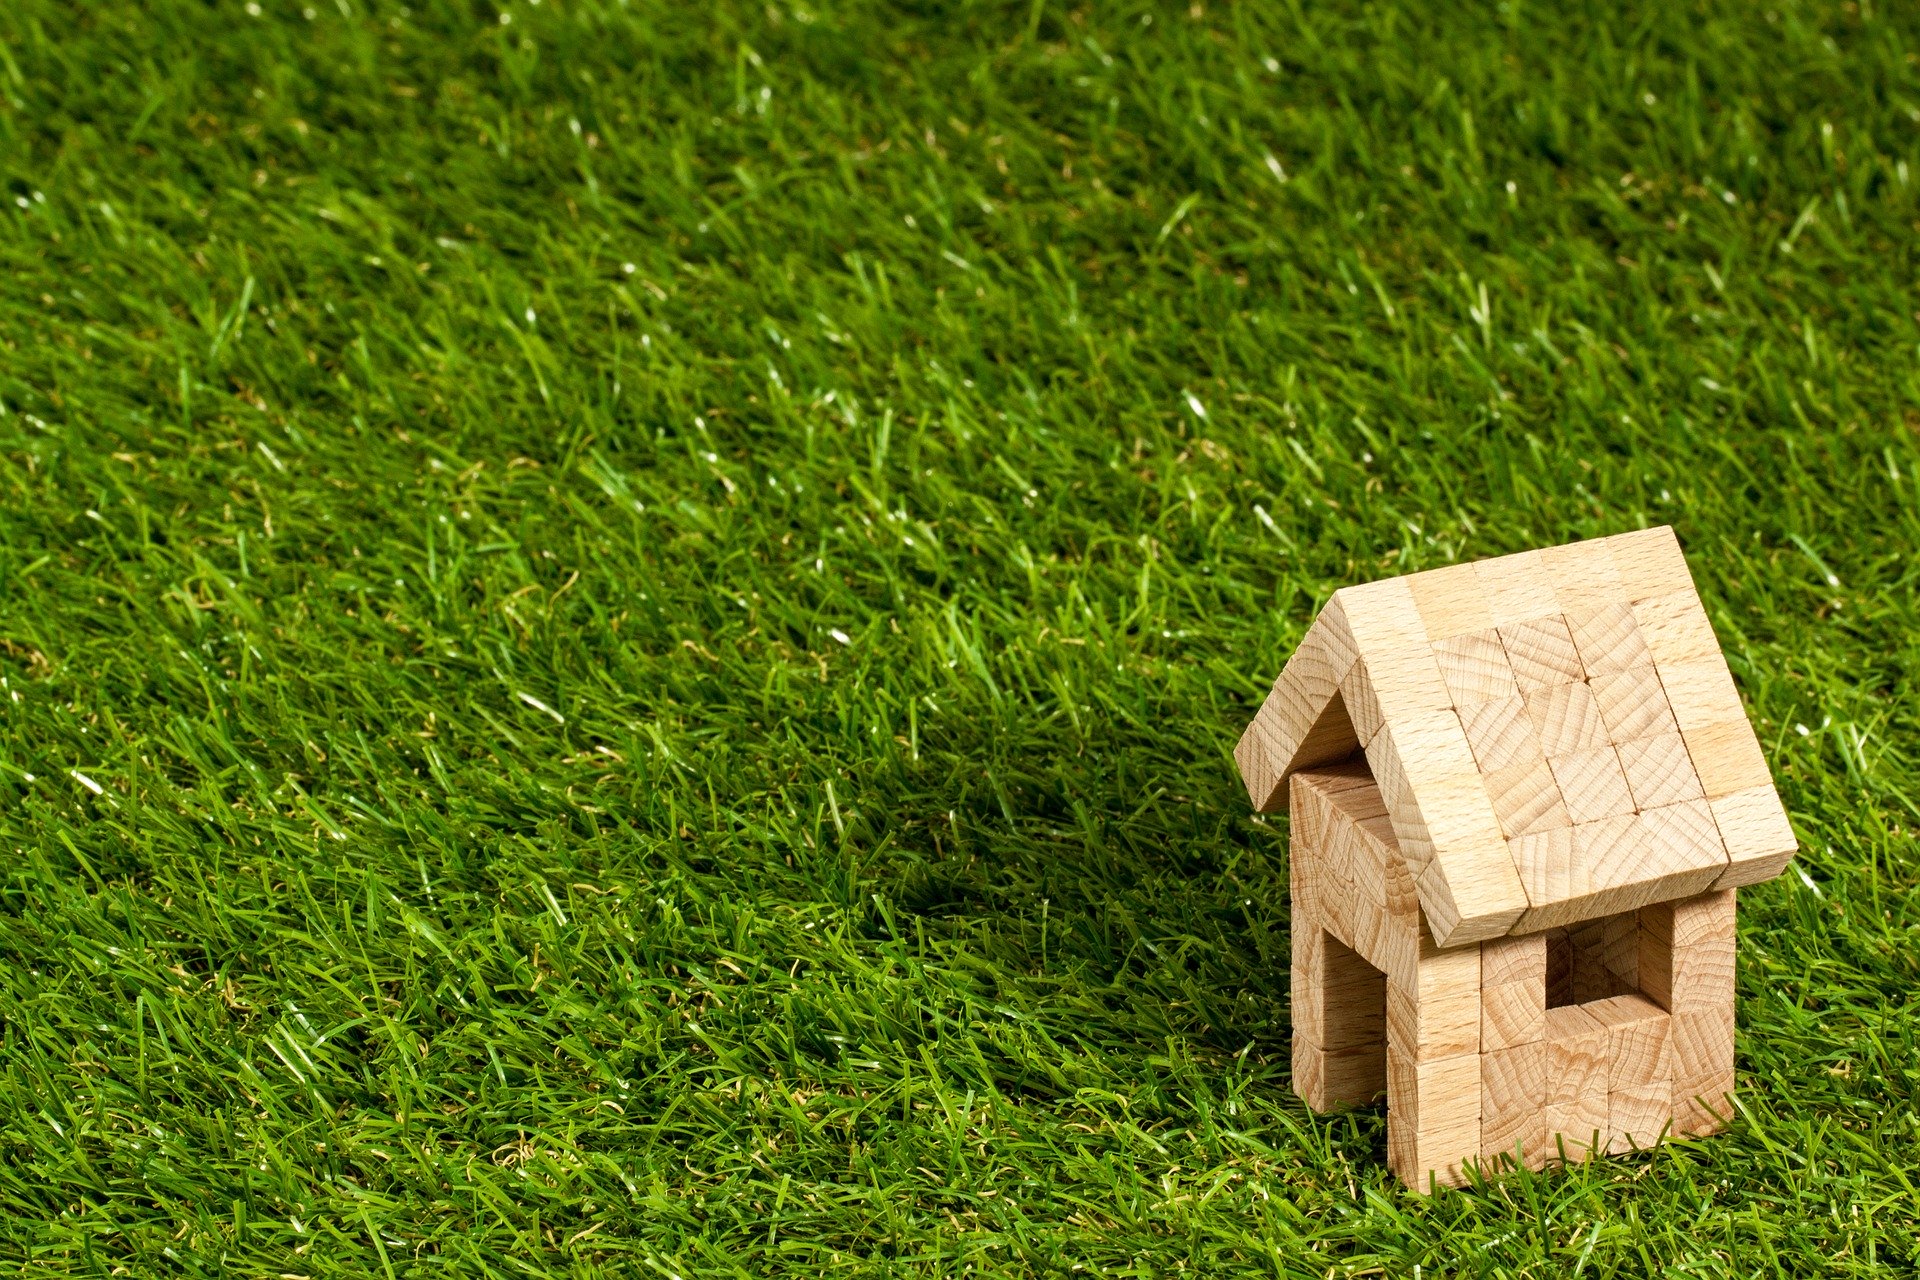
point(622, 630)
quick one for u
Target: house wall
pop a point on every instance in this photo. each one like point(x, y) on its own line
point(1475, 1063)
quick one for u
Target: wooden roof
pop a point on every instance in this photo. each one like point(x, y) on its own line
point(1555, 734)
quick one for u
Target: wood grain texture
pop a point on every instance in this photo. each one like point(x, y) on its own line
point(1608, 638)
point(1649, 562)
point(1593, 784)
point(1541, 653)
point(1500, 733)
point(1566, 718)
point(1660, 771)
point(1759, 838)
point(1633, 704)
point(1474, 668)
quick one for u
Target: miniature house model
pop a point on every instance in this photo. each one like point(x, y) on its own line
point(1523, 792)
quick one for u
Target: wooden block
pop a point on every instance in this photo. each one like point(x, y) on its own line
point(1566, 718)
point(1512, 1014)
point(1633, 704)
point(1331, 629)
point(1727, 758)
point(1360, 703)
point(1583, 574)
point(1592, 784)
point(1649, 562)
point(1339, 778)
point(1544, 863)
point(1660, 771)
point(1759, 838)
point(1577, 1104)
point(1513, 1105)
point(1326, 1079)
point(1675, 629)
point(1638, 1048)
point(1386, 628)
point(1509, 960)
point(1433, 1118)
point(1500, 734)
point(1470, 894)
point(1613, 864)
point(1517, 587)
point(1438, 1014)
point(1638, 1116)
point(1701, 693)
point(1437, 1026)
point(1608, 639)
point(1526, 799)
point(1700, 936)
point(1339, 1000)
point(1623, 950)
point(1704, 1106)
point(1702, 1044)
point(1426, 744)
point(1541, 653)
point(1451, 601)
point(1682, 837)
point(1474, 667)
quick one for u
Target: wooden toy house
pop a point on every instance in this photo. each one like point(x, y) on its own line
point(1523, 792)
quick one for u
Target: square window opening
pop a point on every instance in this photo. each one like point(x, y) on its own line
point(1596, 960)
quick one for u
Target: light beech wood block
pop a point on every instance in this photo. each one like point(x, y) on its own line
point(1608, 639)
point(1727, 758)
point(1361, 704)
point(1613, 865)
point(1660, 771)
point(1438, 1014)
point(1584, 575)
point(1513, 1106)
point(1526, 799)
point(1500, 734)
point(1339, 1000)
point(1544, 863)
point(1638, 1116)
point(1704, 1106)
point(1638, 1046)
point(1759, 838)
point(1592, 784)
point(1702, 1045)
point(1326, 1079)
point(1436, 1026)
point(1566, 718)
point(1675, 629)
point(1451, 602)
point(1474, 667)
point(1633, 704)
point(1577, 1111)
point(1701, 693)
point(1682, 837)
point(1541, 653)
point(1336, 636)
point(1623, 950)
point(1433, 1118)
point(1650, 562)
point(1518, 959)
point(1386, 627)
point(1513, 1014)
point(1687, 956)
point(1518, 588)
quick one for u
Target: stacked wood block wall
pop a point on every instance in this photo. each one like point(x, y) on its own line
point(1595, 1037)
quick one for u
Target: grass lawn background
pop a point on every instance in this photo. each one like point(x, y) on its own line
point(623, 622)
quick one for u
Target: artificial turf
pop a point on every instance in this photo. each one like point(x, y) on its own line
point(622, 623)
